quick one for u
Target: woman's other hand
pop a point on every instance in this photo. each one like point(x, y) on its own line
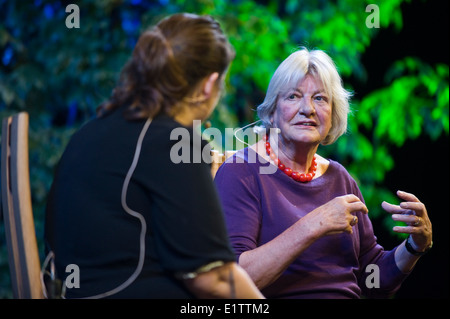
point(414, 213)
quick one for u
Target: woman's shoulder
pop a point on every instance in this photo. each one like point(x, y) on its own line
point(243, 163)
point(337, 171)
point(336, 167)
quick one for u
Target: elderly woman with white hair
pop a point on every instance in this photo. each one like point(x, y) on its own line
point(304, 231)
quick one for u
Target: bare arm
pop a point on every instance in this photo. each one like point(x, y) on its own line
point(266, 263)
point(226, 281)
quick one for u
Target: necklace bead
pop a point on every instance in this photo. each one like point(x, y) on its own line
point(296, 176)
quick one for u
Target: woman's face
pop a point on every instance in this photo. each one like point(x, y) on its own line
point(303, 113)
point(214, 98)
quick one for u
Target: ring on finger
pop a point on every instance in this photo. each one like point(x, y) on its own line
point(354, 221)
point(417, 222)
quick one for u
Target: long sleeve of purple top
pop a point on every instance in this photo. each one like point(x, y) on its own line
point(258, 207)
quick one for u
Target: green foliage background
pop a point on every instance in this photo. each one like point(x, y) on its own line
point(60, 75)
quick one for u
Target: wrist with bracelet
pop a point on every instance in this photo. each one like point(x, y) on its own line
point(409, 247)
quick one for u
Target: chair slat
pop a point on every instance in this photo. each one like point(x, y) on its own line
point(17, 209)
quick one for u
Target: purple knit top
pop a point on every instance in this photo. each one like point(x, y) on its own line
point(259, 207)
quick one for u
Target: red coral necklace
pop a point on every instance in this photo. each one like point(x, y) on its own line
point(296, 176)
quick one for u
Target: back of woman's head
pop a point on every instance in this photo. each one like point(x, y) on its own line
point(167, 63)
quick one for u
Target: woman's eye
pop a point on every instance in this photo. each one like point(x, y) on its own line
point(320, 98)
point(292, 96)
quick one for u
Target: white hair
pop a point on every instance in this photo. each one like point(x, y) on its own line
point(292, 70)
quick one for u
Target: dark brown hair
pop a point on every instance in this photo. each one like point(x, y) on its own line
point(168, 61)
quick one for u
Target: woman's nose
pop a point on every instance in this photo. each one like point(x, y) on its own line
point(307, 107)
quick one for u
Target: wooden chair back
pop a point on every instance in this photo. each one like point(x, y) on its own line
point(20, 233)
point(218, 159)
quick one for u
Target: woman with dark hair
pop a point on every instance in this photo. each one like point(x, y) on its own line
point(136, 224)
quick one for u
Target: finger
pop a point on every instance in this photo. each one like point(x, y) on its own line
point(351, 198)
point(409, 219)
point(358, 206)
point(393, 209)
point(407, 196)
point(355, 203)
point(406, 229)
point(354, 220)
point(418, 207)
point(349, 230)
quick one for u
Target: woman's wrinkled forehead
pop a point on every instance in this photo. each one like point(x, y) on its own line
point(295, 80)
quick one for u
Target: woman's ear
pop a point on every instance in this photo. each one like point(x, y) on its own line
point(208, 85)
